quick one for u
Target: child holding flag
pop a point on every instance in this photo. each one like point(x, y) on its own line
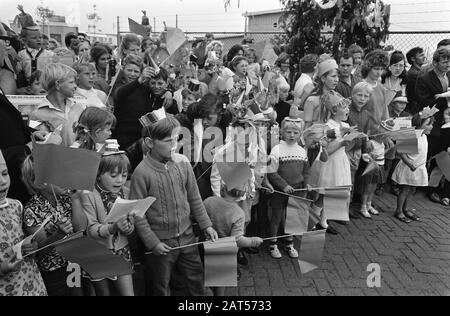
point(111, 178)
point(291, 173)
point(17, 278)
point(52, 202)
point(169, 178)
point(411, 172)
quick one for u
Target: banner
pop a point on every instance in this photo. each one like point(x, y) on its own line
point(336, 203)
point(311, 250)
point(94, 258)
point(221, 263)
point(297, 217)
point(67, 168)
point(139, 29)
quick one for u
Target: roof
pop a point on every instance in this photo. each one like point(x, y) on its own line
point(258, 13)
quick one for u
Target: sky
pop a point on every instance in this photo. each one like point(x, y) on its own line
point(210, 15)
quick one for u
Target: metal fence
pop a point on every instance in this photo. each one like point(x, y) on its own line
point(402, 41)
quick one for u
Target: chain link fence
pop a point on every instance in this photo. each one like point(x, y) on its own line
point(402, 41)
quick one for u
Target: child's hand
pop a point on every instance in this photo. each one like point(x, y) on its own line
point(289, 190)
point(124, 226)
point(366, 158)
point(211, 234)
point(256, 242)
point(65, 225)
point(29, 248)
point(40, 135)
point(168, 99)
point(161, 249)
point(270, 188)
point(10, 265)
point(412, 166)
point(147, 74)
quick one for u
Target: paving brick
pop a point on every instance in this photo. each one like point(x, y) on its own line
point(247, 291)
point(413, 258)
point(349, 292)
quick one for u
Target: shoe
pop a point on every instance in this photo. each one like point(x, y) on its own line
point(365, 213)
point(379, 191)
point(445, 201)
point(292, 253)
point(341, 223)
point(242, 259)
point(409, 214)
point(434, 197)
point(251, 251)
point(373, 211)
point(330, 230)
point(395, 191)
point(275, 252)
point(403, 219)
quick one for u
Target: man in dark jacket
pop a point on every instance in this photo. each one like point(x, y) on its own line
point(416, 58)
point(429, 84)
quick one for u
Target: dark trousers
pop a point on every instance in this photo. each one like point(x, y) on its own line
point(186, 261)
point(56, 283)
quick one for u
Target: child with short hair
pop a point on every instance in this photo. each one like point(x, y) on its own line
point(35, 85)
point(93, 129)
point(411, 172)
point(58, 109)
point(111, 178)
point(188, 98)
point(17, 277)
point(85, 80)
point(158, 88)
point(33, 56)
point(52, 202)
point(291, 173)
point(373, 153)
point(169, 178)
point(229, 220)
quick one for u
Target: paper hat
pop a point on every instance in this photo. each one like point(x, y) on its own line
point(428, 112)
point(194, 85)
point(153, 117)
point(400, 97)
point(326, 66)
point(388, 125)
point(333, 99)
point(2, 159)
point(111, 147)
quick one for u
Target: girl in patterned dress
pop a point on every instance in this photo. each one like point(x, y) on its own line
point(17, 278)
point(111, 178)
point(55, 203)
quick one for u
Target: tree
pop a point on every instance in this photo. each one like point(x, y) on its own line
point(364, 22)
point(44, 13)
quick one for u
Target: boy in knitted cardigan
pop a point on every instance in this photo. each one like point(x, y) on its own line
point(290, 173)
point(169, 178)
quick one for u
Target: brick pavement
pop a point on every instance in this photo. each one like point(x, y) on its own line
point(414, 258)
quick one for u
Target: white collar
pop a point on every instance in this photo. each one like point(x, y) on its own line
point(446, 125)
point(47, 104)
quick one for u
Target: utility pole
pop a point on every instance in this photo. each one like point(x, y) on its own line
point(176, 21)
point(246, 24)
point(154, 24)
point(118, 30)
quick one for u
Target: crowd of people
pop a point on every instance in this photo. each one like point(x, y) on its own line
point(290, 128)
